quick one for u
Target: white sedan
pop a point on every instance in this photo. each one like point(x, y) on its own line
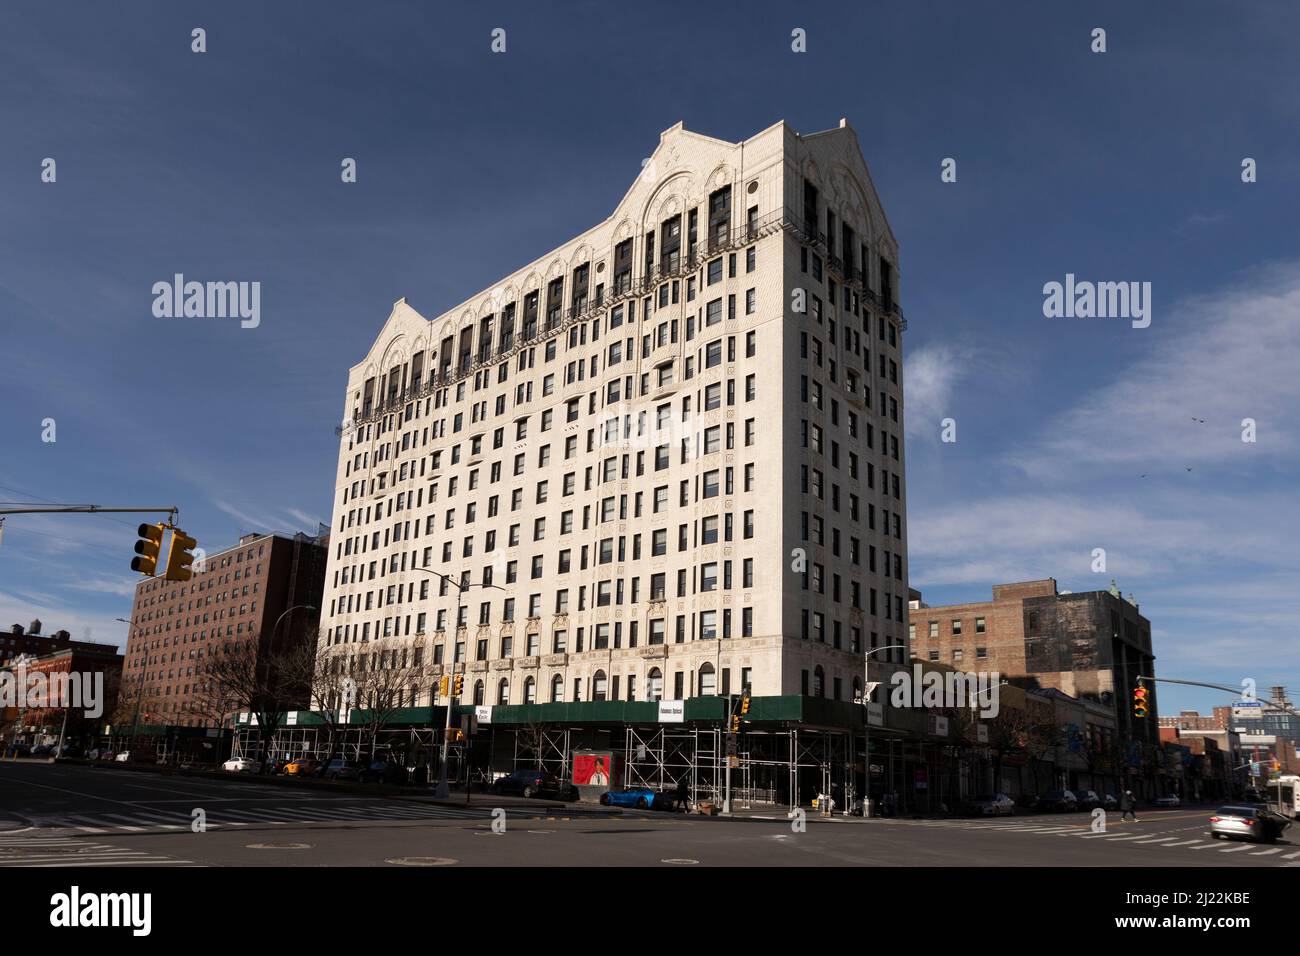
point(123, 757)
point(242, 765)
point(1168, 800)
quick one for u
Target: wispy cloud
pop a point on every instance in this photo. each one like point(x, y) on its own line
point(930, 379)
point(1223, 358)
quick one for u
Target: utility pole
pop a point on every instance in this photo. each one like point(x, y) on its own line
point(442, 791)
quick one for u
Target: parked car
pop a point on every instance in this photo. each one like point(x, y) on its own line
point(1058, 801)
point(242, 765)
point(1168, 800)
point(990, 805)
point(1087, 799)
point(531, 783)
point(42, 750)
point(382, 771)
point(1110, 802)
point(123, 757)
point(339, 769)
point(1252, 795)
point(302, 767)
point(1248, 822)
point(643, 798)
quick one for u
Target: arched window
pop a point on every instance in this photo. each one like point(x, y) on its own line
point(654, 685)
point(819, 682)
point(708, 680)
point(503, 691)
point(530, 691)
point(478, 693)
point(557, 689)
point(599, 688)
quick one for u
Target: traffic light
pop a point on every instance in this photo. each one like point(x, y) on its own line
point(457, 683)
point(179, 557)
point(444, 683)
point(1139, 701)
point(148, 548)
point(735, 723)
point(744, 704)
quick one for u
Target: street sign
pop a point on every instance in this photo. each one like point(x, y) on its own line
point(733, 762)
point(732, 745)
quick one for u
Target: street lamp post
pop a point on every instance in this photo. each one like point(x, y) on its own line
point(442, 791)
point(866, 723)
point(270, 651)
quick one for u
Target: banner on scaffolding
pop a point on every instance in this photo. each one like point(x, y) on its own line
point(672, 711)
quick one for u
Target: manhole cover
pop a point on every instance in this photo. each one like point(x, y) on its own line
point(279, 846)
point(680, 861)
point(422, 861)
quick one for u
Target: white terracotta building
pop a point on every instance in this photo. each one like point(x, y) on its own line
point(676, 442)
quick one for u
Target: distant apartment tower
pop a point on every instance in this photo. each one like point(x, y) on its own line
point(1093, 645)
point(676, 442)
point(241, 594)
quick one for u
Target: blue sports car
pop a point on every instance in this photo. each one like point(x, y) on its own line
point(643, 798)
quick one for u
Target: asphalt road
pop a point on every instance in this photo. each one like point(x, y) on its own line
point(65, 815)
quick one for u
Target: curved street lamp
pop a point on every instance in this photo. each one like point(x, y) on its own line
point(866, 722)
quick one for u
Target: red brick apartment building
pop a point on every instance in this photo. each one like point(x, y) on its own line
point(241, 594)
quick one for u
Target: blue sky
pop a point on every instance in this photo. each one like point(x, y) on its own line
point(1121, 166)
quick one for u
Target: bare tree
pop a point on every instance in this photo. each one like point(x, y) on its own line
point(241, 676)
point(385, 679)
point(1008, 737)
point(1045, 738)
point(319, 677)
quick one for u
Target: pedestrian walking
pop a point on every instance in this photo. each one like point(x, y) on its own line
point(1128, 806)
point(683, 796)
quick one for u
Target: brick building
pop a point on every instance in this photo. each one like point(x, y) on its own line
point(19, 641)
point(44, 724)
point(1091, 645)
point(242, 593)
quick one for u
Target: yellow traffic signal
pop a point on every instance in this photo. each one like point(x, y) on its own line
point(179, 557)
point(744, 705)
point(457, 684)
point(444, 683)
point(735, 724)
point(1139, 701)
point(148, 548)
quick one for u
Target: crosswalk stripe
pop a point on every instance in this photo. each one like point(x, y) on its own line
point(1235, 849)
point(1276, 849)
point(87, 828)
point(1207, 846)
point(1292, 856)
point(149, 861)
point(1157, 840)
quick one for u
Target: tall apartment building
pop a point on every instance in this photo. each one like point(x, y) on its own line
point(671, 449)
point(241, 593)
point(1092, 645)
